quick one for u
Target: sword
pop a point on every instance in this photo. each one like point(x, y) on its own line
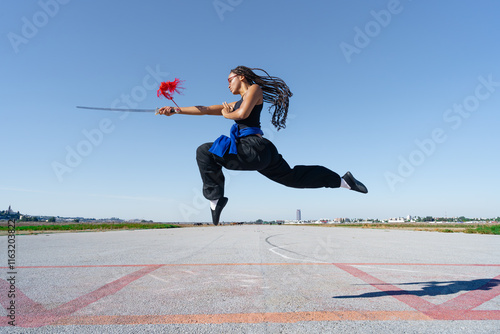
point(119, 109)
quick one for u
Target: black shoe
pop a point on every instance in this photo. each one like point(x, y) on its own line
point(218, 209)
point(354, 184)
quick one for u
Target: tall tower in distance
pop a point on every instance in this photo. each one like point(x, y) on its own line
point(299, 216)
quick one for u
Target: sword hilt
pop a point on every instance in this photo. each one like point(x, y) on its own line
point(176, 110)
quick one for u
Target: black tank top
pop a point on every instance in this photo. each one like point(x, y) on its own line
point(253, 120)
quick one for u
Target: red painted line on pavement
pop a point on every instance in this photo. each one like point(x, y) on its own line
point(420, 264)
point(257, 264)
point(283, 317)
point(175, 265)
point(402, 295)
point(22, 302)
point(474, 298)
point(32, 314)
point(248, 318)
point(35, 315)
point(464, 315)
point(458, 308)
point(106, 290)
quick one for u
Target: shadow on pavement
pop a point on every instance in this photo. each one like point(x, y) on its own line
point(433, 288)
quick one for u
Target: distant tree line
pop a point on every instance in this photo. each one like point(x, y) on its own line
point(455, 219)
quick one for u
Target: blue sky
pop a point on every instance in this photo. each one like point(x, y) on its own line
point(404, 94)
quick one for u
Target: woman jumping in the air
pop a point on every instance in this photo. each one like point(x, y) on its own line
point(246, 149)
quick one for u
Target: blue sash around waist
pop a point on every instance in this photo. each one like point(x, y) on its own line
point(222, 143)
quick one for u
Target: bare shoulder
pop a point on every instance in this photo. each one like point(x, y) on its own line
point(255, 93)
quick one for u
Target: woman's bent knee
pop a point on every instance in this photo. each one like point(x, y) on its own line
point(202, 150)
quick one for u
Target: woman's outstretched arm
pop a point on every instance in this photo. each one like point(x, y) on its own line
point(196, 110)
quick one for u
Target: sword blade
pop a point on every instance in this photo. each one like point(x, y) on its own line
point(118, 109)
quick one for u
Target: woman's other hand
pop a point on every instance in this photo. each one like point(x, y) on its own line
point(226, 109)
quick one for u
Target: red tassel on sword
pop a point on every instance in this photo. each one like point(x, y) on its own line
point(168, 88)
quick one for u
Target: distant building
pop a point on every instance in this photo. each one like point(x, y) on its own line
point(9, 214)
point(398, 220)
point(299, 215)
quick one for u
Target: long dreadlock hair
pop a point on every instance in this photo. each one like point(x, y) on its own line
point(275, 91)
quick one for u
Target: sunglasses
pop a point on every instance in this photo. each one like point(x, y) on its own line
point(231, 78)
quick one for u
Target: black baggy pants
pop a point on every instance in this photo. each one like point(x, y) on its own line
point(258, 153)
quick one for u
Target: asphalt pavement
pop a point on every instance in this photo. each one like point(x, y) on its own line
point(251, 279)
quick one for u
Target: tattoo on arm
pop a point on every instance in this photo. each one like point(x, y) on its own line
point(202, 109)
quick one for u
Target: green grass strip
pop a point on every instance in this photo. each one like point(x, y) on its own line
point(468, 228)
point(81, 227)
point(485, 229)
